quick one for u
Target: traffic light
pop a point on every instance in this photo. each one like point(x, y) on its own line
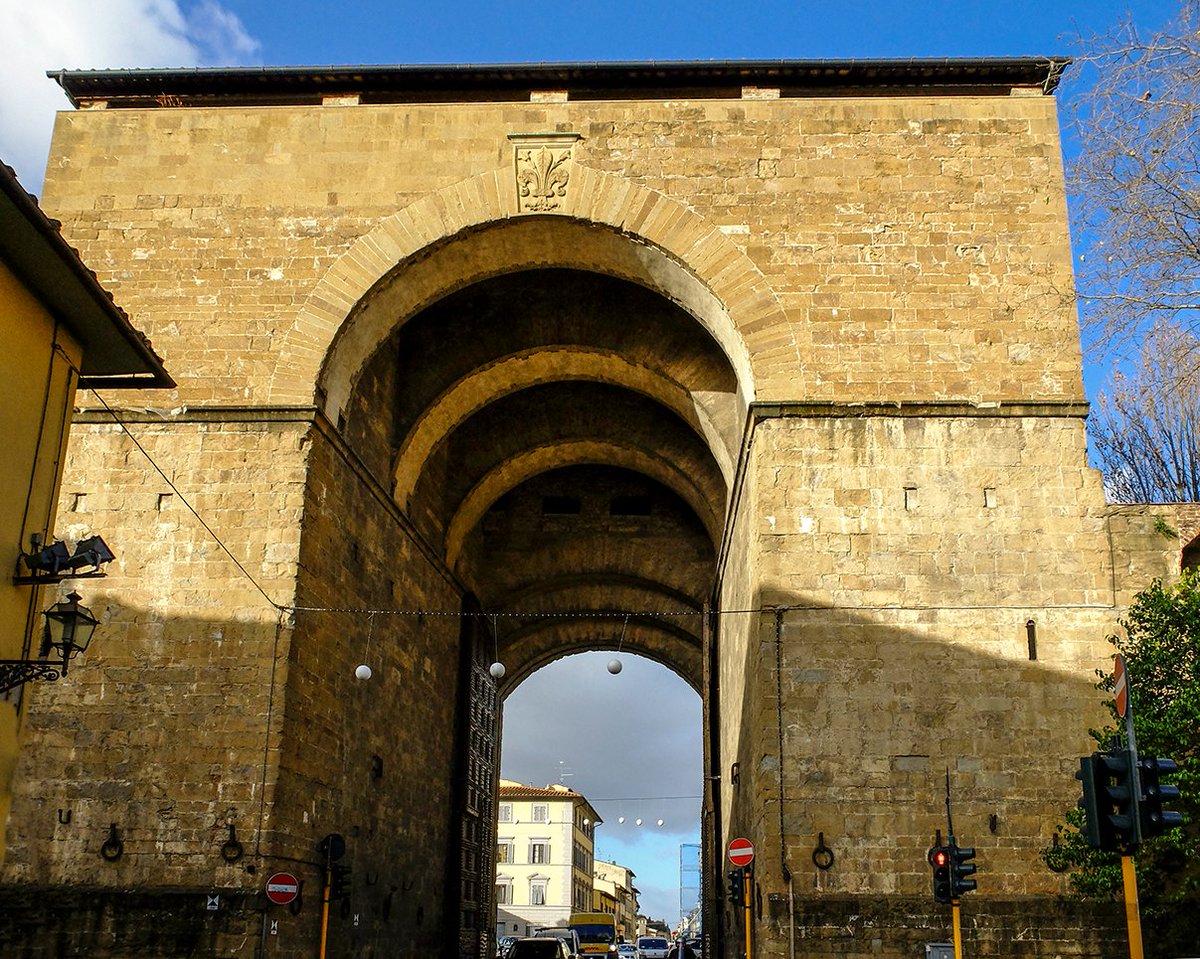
point(1155, 819)
point(1110, 801)
point(939, 858)
point(339, 882)
point(960, 868)
point(737, 888)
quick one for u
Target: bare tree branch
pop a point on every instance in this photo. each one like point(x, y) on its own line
point(1145, 430)
point(1136, 185)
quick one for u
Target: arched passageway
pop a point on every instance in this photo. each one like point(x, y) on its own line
point(563, 436)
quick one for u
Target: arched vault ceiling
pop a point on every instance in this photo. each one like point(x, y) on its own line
point(530, 463)
point(518, 371)
point(364, 297)
point(623, 541)
point(556, 424)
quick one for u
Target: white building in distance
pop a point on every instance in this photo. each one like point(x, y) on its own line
point(544, 857)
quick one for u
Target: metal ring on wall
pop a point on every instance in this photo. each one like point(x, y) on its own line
point(113, 849)
point(822, 856)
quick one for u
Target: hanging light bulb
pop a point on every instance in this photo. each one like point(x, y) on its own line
point(614, 664)
point(660, 822)
point(363, 671)
point(637, 822)
point(621, 820)
point(496, 670)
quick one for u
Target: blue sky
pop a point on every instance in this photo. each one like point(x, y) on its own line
point(574, 712)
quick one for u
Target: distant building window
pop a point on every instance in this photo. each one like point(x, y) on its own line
point(504, 851)
point(541, 813)
point(539, 851)
point(505, 812)
point(504, 893)
point(537, 892)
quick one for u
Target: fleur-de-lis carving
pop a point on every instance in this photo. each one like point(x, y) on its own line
point(542, 175)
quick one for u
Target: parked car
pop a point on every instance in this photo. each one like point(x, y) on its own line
point(502, 945)
point(538, 947)
point(652, 947)
point(627, 950)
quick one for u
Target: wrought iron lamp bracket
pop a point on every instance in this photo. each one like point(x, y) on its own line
point(14, 672)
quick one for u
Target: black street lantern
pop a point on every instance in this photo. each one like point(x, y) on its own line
point(68, 631)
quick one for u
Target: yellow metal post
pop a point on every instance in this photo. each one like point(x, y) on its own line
point(1133, 918)
point(324, 913)
point(747, 892)
point(956, 923)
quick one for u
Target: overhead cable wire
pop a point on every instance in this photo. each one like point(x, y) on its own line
point(183, 499)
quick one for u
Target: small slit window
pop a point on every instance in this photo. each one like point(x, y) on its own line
point(560, 506)
point(630, 506)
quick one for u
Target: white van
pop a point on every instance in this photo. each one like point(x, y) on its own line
point(652, 947)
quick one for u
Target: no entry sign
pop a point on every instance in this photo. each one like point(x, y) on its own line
point(282, 888)
point(1120, 686)
point(741, 852)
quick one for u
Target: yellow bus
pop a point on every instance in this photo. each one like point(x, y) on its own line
point(597, 933)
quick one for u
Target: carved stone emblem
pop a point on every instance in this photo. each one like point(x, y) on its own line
point(543, 169)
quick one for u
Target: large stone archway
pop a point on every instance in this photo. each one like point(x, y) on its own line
point(563, 437)
point(781, 371)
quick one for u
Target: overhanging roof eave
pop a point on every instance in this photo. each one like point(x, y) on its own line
point(283, 83)
point(114, 351)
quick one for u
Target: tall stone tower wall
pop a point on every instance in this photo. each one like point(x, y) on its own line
point(897, 491)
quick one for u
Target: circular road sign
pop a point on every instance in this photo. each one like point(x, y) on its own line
point(282, 888)
point(741, 852)
point(1120, 686)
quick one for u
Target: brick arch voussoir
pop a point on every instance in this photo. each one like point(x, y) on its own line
point(662, 641)
point(597, 197)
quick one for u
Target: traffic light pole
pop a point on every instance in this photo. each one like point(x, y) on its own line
point(325, 908)
point(1133, 918)
point(955, 914)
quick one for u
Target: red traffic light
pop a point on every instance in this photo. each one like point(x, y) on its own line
point(938, 856)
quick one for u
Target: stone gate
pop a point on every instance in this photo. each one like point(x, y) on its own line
point(771, 369)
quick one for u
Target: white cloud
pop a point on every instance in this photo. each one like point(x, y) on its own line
point(97, 34)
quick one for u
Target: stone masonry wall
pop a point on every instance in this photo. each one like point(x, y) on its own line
point(371, 760)
point(915, 244)
point(908, 556)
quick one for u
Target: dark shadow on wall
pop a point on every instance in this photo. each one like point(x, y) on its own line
point(183, 761)
point(848, 729)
